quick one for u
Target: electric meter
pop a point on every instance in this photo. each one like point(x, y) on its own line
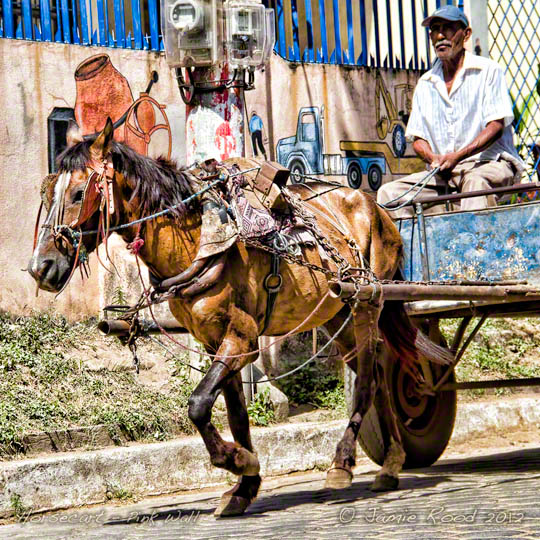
point(191, 32)
point(245, 37)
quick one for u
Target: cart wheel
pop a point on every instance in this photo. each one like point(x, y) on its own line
point(425, 422)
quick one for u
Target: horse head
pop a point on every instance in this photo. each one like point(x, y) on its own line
point(74, 199)
point(102, 184)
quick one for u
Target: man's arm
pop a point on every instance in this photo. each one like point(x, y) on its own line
point(447, 162)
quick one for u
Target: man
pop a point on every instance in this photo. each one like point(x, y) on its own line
point(255, 128)
point(460, 121)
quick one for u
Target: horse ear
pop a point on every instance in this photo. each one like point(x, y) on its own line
point(74, 134)
point(101, 146)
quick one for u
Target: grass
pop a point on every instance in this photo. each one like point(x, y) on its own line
point(43, 389)
point(261, 410)
point(504, 348)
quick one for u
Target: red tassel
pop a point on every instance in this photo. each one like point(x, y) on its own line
point(136, 246)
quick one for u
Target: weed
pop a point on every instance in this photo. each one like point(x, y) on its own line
point(115, 492)
point(19, 509)
point(261, 410)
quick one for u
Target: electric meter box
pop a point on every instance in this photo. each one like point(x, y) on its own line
point(192, 32)
point(245, 33)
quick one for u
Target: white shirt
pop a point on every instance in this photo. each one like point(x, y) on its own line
point(478, 96)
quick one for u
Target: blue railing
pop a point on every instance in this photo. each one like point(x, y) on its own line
point(128, 24)
point(375, 33)
point(378, 33)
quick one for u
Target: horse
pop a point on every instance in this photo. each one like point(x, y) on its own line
point(228, 316)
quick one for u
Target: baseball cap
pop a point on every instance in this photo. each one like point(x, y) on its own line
point(448, 13)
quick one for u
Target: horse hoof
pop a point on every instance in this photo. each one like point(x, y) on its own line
point(231, 505)
point(338, 479)
point(385, 482)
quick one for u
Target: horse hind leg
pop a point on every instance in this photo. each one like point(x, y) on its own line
point(387, 478)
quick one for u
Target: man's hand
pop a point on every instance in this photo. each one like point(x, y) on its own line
point(445, 162)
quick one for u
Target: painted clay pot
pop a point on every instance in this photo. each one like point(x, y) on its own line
point(102, 91)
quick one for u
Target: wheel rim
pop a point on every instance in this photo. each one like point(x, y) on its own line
point(296, 172)
point(398, 141)
point(374, 179)
point(416, 412)
point(354, 177)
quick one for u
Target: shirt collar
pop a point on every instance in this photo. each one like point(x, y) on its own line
point(471, 61)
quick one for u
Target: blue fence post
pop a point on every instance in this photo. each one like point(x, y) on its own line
point(389, 28)
point(154, 24)
point(102, 22)
point(7, 9)
point(64, 9)
point(324, 38)
point(337, 35)
point(137, 25)
point(86, 36)
point(310, 33)
point(363, 31)
point(119, 23)
point(350, 33)
point(27, 19)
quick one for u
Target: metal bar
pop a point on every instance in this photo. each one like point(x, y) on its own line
point(27, 19)
point(119, 24)
point(7, 8)
point(309, 29)
point(516, 188)
point(64, 8)
point(415, 36)
point(154, 24)
point(45, 16)
point(459, 309)
point(403, 63)
point(350, 33)
point(364, 56)
point(422, 240)
point(281, 44)
point(86, 36)
point(324, 37)
point(137, 24)
point(376, 26)
point(119, 327)
point(337, 32)
point(502, 383)
point(460, 332)
point(459, 355)
point(389, 29)
point(102, 26)
point(431, 291)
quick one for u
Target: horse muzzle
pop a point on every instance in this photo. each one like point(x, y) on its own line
point(50, 273)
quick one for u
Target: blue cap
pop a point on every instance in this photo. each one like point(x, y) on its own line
point(447, 13)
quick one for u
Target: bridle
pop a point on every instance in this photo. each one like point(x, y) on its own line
point(98, 195)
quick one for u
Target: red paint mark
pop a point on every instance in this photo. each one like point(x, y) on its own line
point(225, 141)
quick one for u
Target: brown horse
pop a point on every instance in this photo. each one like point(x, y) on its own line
point(228, 317)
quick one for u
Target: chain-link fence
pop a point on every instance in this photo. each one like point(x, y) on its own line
point(514, 42)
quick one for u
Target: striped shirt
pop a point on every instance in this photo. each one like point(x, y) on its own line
point(478, 96)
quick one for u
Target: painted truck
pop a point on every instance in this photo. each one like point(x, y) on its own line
point(304, 153)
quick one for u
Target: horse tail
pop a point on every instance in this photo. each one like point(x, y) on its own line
point(406, 342)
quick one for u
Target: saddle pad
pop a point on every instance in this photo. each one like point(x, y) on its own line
point(252, 222)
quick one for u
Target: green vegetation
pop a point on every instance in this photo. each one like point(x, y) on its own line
point(43, 389)
point(320, 383)
point(504, 348)
point(19, 510)
point(261, 410)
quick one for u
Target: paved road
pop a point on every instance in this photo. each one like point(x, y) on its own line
point(489, 496)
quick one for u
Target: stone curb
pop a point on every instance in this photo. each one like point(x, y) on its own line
point(80, 478)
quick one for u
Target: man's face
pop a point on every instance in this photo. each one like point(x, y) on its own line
point(448, 38)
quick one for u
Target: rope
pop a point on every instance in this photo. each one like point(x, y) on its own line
point(268, 379)
point(170, 209)
point(421, 183)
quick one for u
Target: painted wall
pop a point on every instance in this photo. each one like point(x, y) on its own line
point(36, 79)
point(359, 114)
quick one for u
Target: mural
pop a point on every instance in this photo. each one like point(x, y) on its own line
point(136, 121)
point(350, 123)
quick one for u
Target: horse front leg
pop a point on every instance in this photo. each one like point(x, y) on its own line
point(237, 457)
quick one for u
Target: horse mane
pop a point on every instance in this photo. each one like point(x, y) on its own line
point(157, 183)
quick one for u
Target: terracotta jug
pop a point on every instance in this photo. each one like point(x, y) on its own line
point(102, 91)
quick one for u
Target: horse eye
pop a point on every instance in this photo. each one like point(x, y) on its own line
point(78, 197)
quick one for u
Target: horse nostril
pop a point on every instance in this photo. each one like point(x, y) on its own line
point(42, 269)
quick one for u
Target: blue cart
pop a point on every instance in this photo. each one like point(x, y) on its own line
point(467, 265)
